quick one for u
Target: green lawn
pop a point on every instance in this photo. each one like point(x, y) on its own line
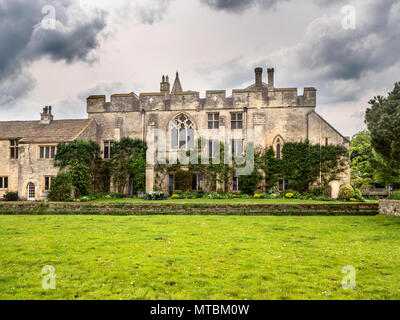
point(199, 257)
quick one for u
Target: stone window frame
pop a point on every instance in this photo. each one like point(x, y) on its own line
point(109, 145)
point(198, 182)
point(278, 146)
point(51, 154)
point(213, 120)
point(176, 129)
point(235, 122)
point(14, 150)
point(51, 179)
point(235, 184)
point(234, 143)
point(4, 182)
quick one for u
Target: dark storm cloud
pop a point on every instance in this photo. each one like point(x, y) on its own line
point(239, 5)
point(336, 53)
point(23, 40)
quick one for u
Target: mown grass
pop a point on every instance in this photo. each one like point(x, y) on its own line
point(199, 257)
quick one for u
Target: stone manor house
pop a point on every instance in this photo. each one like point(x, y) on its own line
point(277, 115)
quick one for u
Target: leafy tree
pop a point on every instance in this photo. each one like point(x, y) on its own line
point(138, 170)
point(78, 151)
point(80, 178)
point(383, 121)
point(361, 154)
point(61, 187)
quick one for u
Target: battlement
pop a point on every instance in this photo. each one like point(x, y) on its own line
point(258, 95)
point(126, 102)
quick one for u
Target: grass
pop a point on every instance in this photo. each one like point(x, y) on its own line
point(223, 201)
point(199, 257)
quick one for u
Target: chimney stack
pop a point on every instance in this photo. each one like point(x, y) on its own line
point(271, 78)
point(165, 86)
point(258, 72)
point(46, 117)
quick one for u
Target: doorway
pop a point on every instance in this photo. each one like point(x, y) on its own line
point(31, 191)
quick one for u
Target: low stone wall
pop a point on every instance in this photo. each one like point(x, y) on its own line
point(160, 208)
point(389, 207)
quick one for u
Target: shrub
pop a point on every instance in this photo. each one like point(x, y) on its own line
point(175, 196)
point(346, 192)
point(395, 196)
point(289, 195)
point(11, 196)
point(319, 191)
point(183, 179)
point(358, 195)
point(61, 187)
point(117, 195)
point(257, 196)
point(323, 198)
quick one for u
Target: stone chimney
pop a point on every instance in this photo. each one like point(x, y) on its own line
point(165, 86)
point(258, 72)
point(46, 117)
point(270, 78)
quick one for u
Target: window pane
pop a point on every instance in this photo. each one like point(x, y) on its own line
point(5, 182)
point(53, 151)
point(171, 182)
point(190, 138)
point(41, 152)
point(46, 183)
point(210, 117)
point(1, 182)
point(174, 138)
point(194, 182)
point(47, 152)
point(210, 124)
point(239, 117)
point(12, 153)
point(16, 153)
point(182, 138)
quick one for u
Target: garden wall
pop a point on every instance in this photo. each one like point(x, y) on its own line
point(161, 208)
point(389, 207)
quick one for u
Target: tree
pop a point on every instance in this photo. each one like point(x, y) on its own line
point(81, 161)
point(123, 154)
point(383, 121)
point(361, 154)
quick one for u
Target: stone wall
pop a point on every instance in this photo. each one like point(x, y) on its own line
point(391, 207)
point(162, 208)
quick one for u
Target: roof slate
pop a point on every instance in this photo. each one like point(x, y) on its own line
point(34, 131)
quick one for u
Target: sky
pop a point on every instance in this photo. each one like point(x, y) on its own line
point(59, 52)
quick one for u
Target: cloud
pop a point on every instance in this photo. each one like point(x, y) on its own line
point(238, 5)
point(24, 40)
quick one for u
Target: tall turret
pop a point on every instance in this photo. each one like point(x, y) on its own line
point(177, 85)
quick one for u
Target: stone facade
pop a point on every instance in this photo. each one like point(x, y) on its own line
point(276, 115)
point(28, 171)
point(273, 115)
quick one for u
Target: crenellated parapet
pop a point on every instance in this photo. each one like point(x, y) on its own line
point(257, 96)
point(118, 103)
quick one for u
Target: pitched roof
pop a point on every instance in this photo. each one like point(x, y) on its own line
point(177, 85)
point(34, 131)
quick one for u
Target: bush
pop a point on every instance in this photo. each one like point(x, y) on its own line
point(117, 195)
point(358, 195)
point(175, 196)
point(11, 196)
point(61, 187)
point(289, 195)
point(346, 192)
point(395, 196)
point(257, 196)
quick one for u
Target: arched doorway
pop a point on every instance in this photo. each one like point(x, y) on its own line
point(31, 191)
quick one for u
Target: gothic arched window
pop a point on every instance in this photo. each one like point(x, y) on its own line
point(277, 144)
point(278, 151)
point(182, 133)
